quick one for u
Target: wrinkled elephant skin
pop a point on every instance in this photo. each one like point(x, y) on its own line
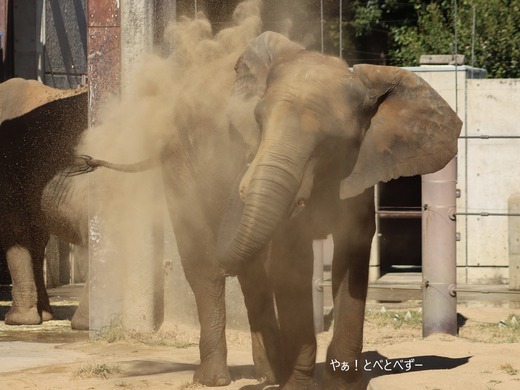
point(328, 133)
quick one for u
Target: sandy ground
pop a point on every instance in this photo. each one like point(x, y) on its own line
point(485, 355)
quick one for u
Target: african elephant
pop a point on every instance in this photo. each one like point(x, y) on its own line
point(328, 133)
point(39, 128)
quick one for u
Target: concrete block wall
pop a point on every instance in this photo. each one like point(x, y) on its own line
point(488, 170)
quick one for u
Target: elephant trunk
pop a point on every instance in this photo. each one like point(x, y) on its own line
point(268, 190)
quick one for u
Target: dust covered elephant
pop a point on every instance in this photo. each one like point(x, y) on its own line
point(39, 172)
point(328, 133)
point(39, 129)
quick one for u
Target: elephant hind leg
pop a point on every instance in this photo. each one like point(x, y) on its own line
point(44, 305)
point(80, 319)
point(25, 261)
point(24, 309)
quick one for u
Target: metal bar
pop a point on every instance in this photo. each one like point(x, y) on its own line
point(488, 214)
point(321, 27)
point(485, 136)
point(469, 290)
point(317, 285)
point(399, 214)
point(439, 251)
point(340, 28)
point(483, 266)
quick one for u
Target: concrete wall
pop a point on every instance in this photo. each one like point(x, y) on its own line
point(488, 171)
point(488, 175)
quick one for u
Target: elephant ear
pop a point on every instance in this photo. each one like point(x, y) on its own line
point(255, 62)
point(413, 131)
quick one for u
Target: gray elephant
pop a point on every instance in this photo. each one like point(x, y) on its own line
point(328, 133)
point(39, 128)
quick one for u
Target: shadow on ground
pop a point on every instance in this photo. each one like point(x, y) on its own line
point(374, 365)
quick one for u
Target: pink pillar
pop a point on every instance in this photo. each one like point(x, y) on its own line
point(439, 251)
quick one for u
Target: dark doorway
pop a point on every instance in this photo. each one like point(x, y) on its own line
point(400, 236)
point(5, 277)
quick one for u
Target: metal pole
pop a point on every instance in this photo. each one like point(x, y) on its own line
point(473, 41)
point(317, 285)
point(514, 243)
point(439, 251)
point(340, 28)
point(40, 40)
point(321, 25)
point(4, 6)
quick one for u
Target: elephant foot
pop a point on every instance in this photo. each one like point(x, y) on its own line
point(47, 315)
point(265, 374)
point(213, 372)
point(80, 320)
point(18, 316)
point(264, 368)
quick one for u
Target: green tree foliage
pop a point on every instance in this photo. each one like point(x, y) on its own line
point(417, 27)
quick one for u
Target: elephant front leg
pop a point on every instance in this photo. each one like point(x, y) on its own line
point(265, 332)
point(24, 309)
point(347, 343)
point(352, 243)
point(208, 285)
point(291, 271)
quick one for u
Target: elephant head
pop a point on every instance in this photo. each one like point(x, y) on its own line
point(303, 105)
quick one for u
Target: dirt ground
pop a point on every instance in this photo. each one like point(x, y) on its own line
point(485, 354)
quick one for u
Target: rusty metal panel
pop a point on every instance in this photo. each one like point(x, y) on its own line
point(3, 26)
point(104, 67)
point(103, 13)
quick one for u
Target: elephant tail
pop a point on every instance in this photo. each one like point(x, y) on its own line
point(85, 164)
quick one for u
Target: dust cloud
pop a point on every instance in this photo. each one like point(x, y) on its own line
point(165, 101)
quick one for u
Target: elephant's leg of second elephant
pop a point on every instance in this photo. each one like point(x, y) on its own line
point(291, 266)
point(24, 310)
point(265, 332)
point(80, 319)
point(38, 253)
point(207, 281)
point(352, 243)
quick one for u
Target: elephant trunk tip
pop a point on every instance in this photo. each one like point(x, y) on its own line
point(230, 258)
